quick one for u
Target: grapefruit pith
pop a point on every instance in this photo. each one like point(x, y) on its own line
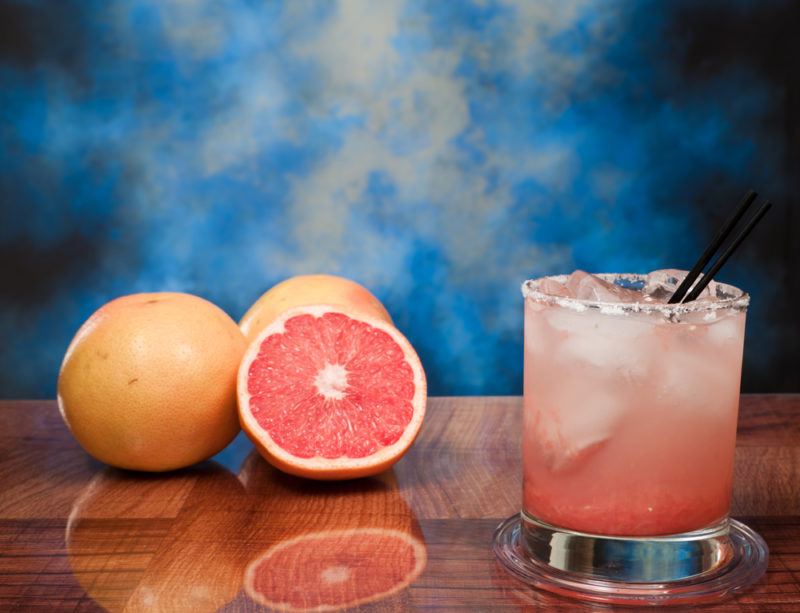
point(328, 394)
point(334, 569)
point(305, 290)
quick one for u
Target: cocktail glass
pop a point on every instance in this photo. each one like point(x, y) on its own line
point(628, 439)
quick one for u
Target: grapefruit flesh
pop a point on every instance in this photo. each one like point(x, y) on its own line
point(149, 381)
point(331, 395)
point(333, 569)
point(305, 290)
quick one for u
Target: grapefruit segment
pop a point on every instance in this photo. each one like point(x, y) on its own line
point(328, 394)
point(334, 569)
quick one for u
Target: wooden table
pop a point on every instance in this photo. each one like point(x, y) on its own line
point(76, 536)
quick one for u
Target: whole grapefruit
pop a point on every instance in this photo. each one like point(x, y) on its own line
point(304, 290)
point(149, 381)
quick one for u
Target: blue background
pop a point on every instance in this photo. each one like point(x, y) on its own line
point(437, 152)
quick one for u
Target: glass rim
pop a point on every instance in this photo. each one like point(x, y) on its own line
point(738, 300)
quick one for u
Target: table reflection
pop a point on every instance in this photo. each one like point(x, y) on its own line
point(128, 553)
point(340, 544)
point(332, 568)
point(204, 539)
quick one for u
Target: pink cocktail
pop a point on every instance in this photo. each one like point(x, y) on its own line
point(628, 437)
point(630, 405)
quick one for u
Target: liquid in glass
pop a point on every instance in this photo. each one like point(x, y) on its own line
point(629, 411)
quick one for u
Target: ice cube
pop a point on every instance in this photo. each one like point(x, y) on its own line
point(690, 381)
point(585, 286)
point(551, 287)
point(567, 320)
point(709, 293)
point(573, 423)
point(621, 344)
point(618, 356)
point(539, 335)
point(659, 285)
point(725, 330)
point(667, 279)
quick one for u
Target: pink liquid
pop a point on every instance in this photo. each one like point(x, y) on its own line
point(630, 420)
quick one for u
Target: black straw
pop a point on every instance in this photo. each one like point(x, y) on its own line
point(701, 285)
point(713, 246)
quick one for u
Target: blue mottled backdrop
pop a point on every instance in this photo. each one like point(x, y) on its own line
point(438, 152)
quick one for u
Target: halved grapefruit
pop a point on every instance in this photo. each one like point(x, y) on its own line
point(329, 394)
point(334, 569)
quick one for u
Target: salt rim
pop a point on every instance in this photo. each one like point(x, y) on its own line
point(738, 300)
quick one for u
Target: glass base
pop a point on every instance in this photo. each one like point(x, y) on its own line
point(680, 569)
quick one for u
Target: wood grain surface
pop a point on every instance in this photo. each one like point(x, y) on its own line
point(78, 536)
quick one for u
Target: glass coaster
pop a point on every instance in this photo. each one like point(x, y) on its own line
point(639, 571)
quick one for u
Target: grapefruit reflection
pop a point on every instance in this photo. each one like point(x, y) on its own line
point(338, 545)
point(129, 551)
point(329, 569)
